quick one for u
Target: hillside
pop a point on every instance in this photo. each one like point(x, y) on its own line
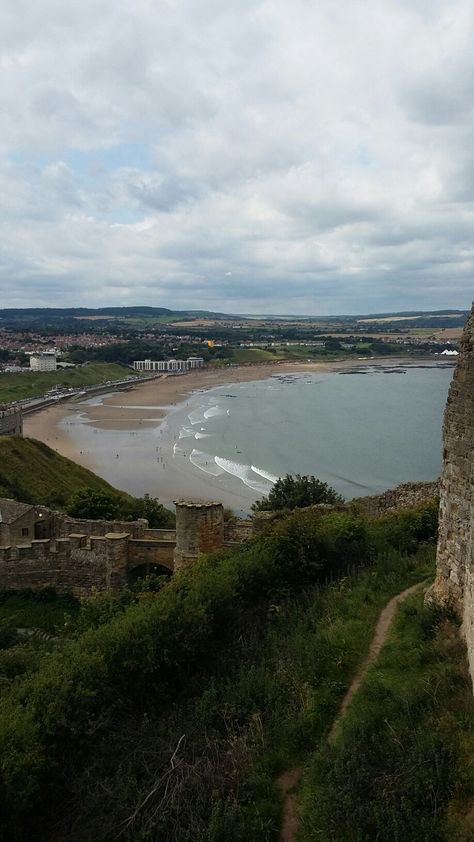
point(33, 384)
point(171, 713)
point(33, 473)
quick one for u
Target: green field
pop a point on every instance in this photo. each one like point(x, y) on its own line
point(254, 355)
point(16, 386)
point(33, 473)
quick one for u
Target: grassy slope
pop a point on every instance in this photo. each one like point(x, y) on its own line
point(14, 387)
point(402, 767)
point(272, 700)
point(33, 473)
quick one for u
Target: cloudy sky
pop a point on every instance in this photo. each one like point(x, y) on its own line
point(265, 156)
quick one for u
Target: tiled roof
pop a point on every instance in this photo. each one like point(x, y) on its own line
point(11, 510)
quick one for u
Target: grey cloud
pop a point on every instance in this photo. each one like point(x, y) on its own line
point(321, 154)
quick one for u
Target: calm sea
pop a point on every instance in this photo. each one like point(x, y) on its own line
point(361, 430)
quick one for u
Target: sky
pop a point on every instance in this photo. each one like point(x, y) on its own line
point(245, 156)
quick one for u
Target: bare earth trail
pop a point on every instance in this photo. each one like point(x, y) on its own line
point(288, 781)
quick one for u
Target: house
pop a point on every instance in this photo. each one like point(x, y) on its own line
point(17, 523)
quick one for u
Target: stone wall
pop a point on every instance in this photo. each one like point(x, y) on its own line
point(454, 583)
point(11, 422)
point(199, 529)
point(403, 496)
point(148, 553)
point(75, 565)
point(65, 525)
point(20, 531)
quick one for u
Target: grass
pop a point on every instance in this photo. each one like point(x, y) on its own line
point(251, 355)
point(402, 766)
point(16, 386)
point(274, 694)
point(31, 472)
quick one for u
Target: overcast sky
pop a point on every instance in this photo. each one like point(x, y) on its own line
point(289, 156)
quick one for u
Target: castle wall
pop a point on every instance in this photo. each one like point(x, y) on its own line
point(199, 529)
point(454, 584)
point(403, 496)
point(145, 552)
point(65, 525)
point(74, 565)
point(11, 422)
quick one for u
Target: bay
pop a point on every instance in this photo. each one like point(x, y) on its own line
point(361, 430)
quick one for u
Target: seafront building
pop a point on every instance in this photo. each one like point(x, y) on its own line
point(43, 361)
point(169, 365)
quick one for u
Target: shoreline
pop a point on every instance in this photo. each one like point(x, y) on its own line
point(145, 407)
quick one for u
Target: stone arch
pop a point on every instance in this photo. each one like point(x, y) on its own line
point(147, 569)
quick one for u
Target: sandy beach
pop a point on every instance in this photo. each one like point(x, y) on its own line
point(155, 398)
point(143, 407)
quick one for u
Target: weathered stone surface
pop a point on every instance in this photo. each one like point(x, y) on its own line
point(403, 496)
point(199, 529)
point(11, 421)
point(454, 584)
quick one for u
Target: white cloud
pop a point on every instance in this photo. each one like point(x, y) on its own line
point(322, 150)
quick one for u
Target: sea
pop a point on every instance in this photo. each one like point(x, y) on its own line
point(362, 430)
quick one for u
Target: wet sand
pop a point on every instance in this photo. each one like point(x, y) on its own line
point(145, 405)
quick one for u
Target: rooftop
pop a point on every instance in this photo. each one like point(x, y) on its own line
point(11, 510)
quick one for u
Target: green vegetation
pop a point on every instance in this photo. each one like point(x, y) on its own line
point(296, 492)
point(246, 653)
point(253, 355)
point(27, 609)
point(100, 505)
point(32, 472)
point(15, 387)
point(401, 768)
point(30, 624)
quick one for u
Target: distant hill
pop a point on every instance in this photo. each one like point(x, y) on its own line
point(33, 473)
point(53, 315)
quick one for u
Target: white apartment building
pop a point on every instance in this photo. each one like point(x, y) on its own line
point(169, 365)
point(44, 361)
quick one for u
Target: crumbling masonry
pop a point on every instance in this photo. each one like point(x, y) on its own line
point(454, 584)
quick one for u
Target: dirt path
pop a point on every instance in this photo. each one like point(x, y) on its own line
point(288, 781)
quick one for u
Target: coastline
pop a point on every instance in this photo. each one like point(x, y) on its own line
point(162, 394)
point(145, 406)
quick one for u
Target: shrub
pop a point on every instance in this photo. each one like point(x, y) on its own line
point(405, 529)
point(156, 647)
point(297, 492)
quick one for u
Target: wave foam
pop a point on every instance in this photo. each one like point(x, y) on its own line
point(205, 462)
point(270, 477)
point(242, 472)
point(214, 411)
point(197, 416)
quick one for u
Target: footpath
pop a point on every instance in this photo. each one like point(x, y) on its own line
point(289, 780)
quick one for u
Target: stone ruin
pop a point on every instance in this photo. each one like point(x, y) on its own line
point(454, 584)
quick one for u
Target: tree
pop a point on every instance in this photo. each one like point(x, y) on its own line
point(296, 492)
point(150, 508)
point(94, 505)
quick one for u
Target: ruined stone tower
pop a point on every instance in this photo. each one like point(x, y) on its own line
point(199, 529)
point(454, 584)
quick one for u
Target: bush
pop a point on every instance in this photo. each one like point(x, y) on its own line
point(297, 492)
point(156, 647)
point(405, 529)
point(309, 548)
point(94, 505)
